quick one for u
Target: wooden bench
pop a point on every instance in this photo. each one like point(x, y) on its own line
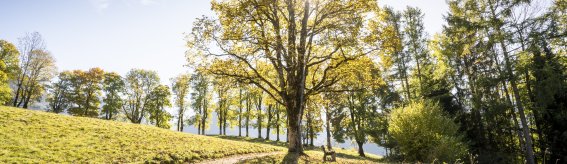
point(330, 153)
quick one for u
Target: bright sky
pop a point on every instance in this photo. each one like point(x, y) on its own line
point(118, 35)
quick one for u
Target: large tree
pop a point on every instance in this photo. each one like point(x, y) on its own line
point(295, 38)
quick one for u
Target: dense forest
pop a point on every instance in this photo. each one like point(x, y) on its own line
point(490, 88)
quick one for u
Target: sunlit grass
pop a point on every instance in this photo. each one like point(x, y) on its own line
point(314, 154)
point(28, 136)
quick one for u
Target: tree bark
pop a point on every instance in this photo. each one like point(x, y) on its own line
point(294, 108)
point(360, 149)
point(294, 135)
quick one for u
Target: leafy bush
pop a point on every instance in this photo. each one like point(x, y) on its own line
point(425, 134)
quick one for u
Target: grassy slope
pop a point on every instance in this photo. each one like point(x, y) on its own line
point(32, 136)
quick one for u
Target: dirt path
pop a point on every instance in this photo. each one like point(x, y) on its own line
point(236, 158)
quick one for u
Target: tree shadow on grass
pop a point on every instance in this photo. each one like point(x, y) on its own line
point(261, 160)
point(347, 156)
point(291, 157)
point(254, 140)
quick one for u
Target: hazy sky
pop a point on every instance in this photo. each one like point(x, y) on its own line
point(118, 35)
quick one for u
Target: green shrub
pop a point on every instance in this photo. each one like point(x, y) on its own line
point(424, 133)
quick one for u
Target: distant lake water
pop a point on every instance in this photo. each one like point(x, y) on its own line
point(253, 133)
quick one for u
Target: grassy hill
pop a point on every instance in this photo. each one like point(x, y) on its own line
point(28, 136)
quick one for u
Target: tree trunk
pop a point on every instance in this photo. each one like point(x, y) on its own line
point(311, 134)
point(198, 122)
point(509, 101)
point(528, 144)
point(87, 104)
point(294, 127)
point(287, 135)
point(277, 124)
point(248, 106)
point(269, 122)
point(309, 130)
point(418, 64)
point(240, 114)
point(18, 90)
point(523, 120)
point(294, 135)
point(240, 124)
point(225, 123)
point(328, 127)
point(259, 120)
point(294, 96)
point(27, 100)
point(204, 120)
point(199, 128)
point(108, 115)
point(360, 149)
point(180, 119)
point(24, 97)
point(181, 124)
point(220, 126)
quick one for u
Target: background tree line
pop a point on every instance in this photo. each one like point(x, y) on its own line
point(27, 71)
point(137, 97)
